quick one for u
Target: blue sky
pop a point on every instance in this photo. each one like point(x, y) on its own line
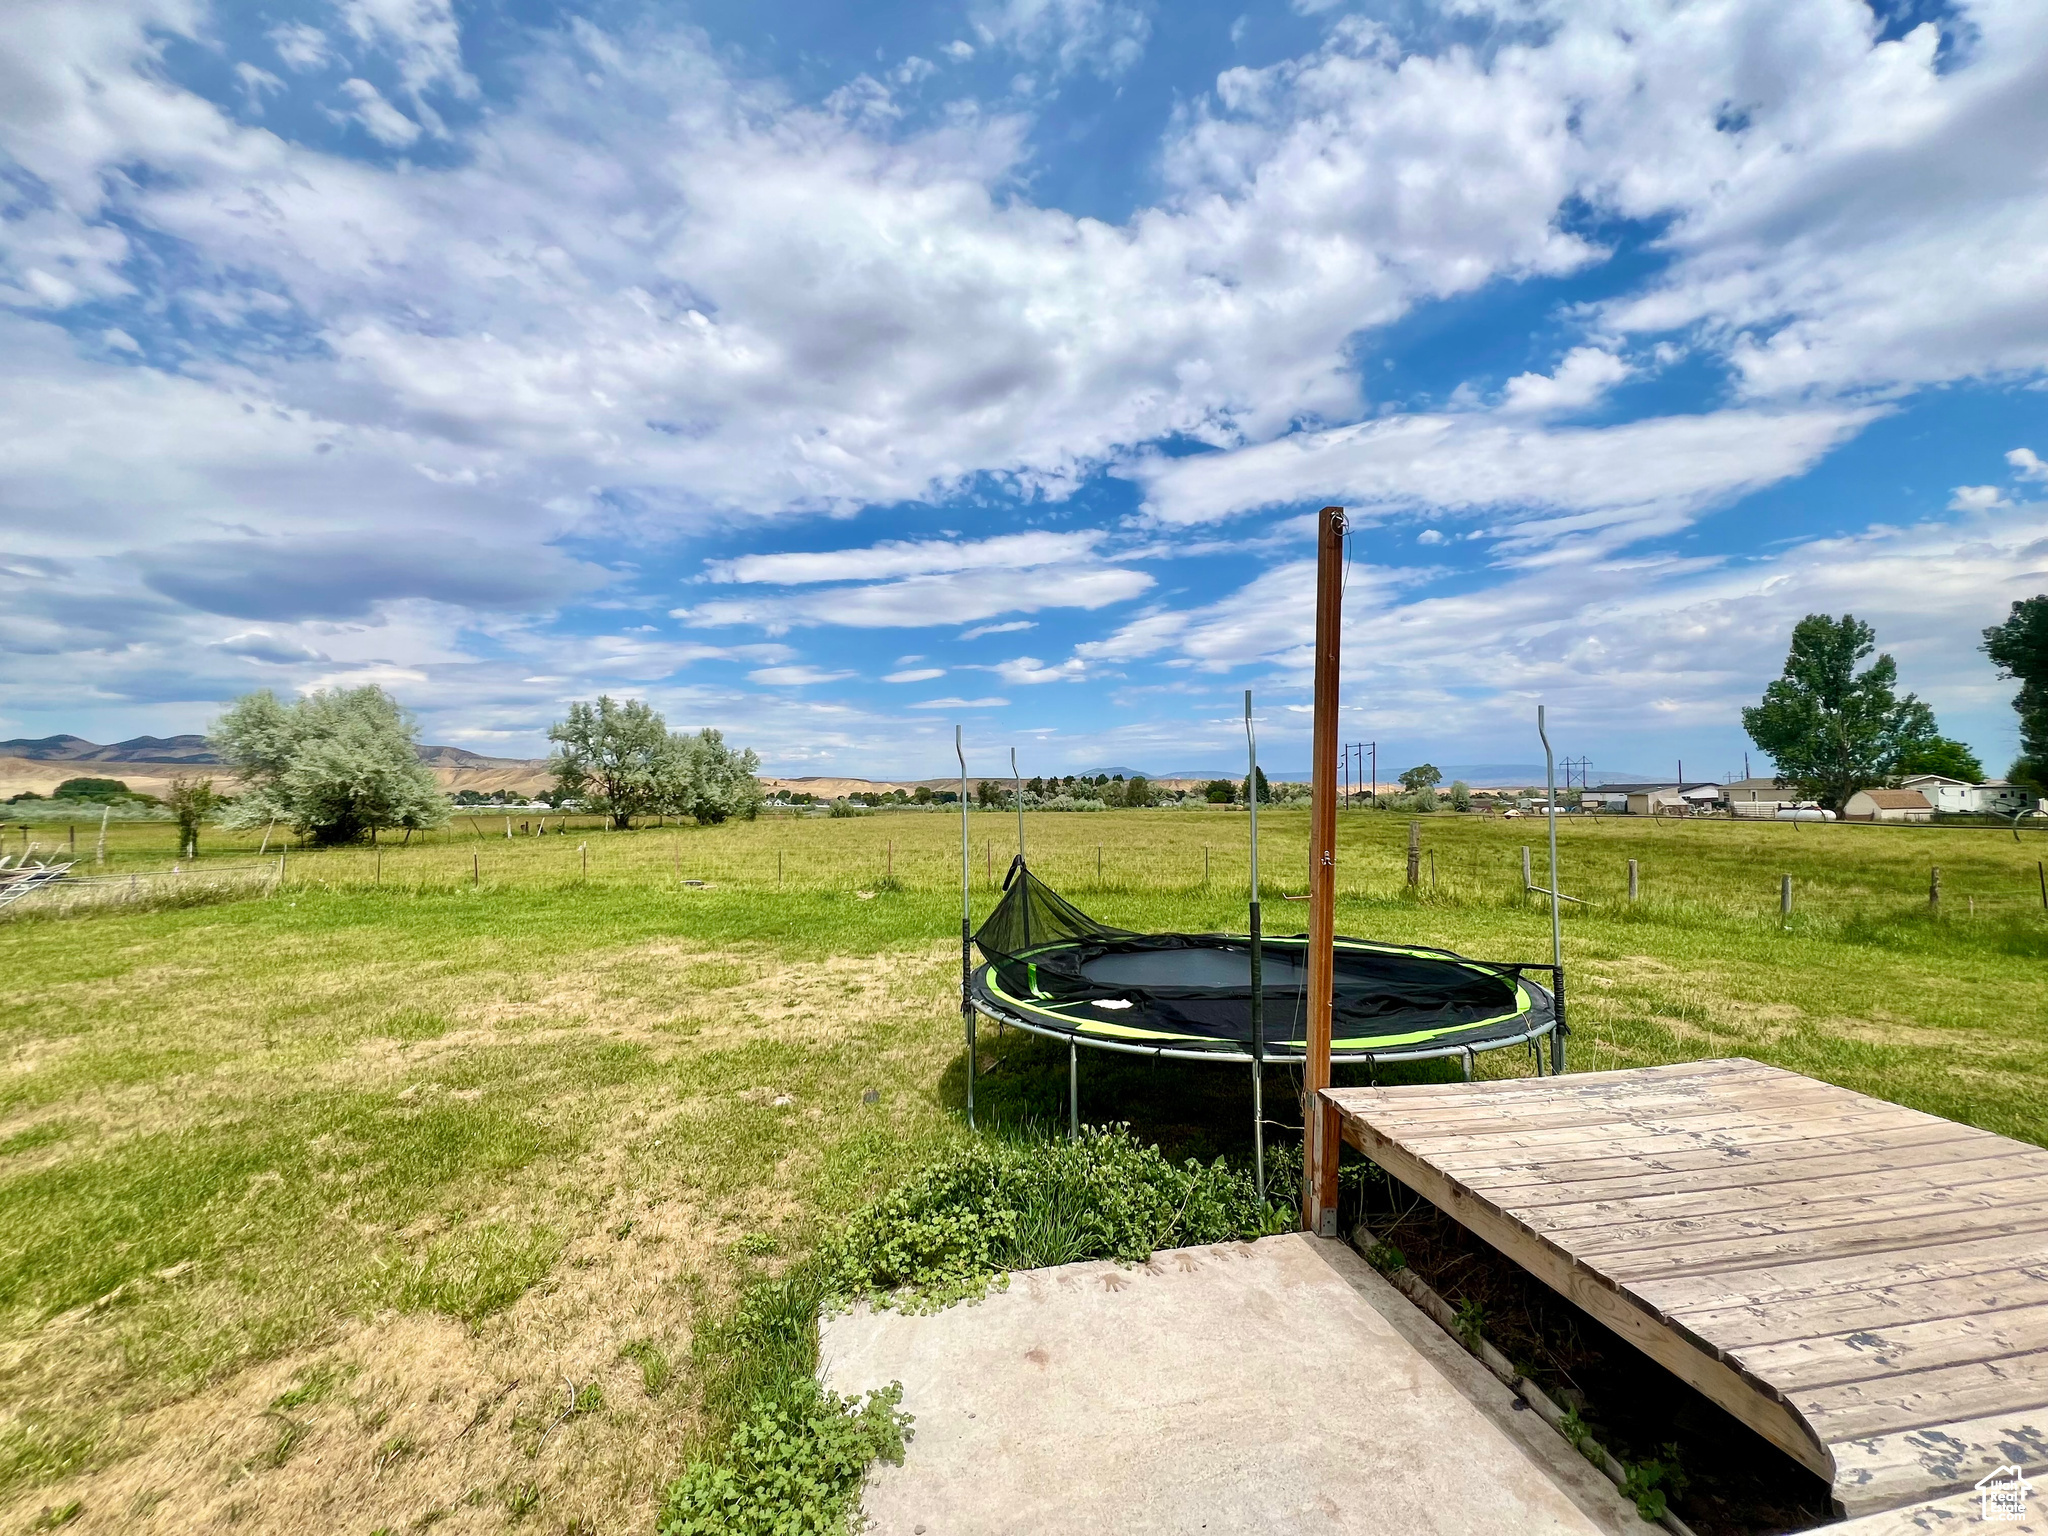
point(832, 374)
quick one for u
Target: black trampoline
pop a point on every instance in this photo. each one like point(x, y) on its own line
point(1052, 970)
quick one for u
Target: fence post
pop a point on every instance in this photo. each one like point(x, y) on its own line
point(2041, 870)
point(380, 866)
point(1632, 887)
point(1784, 895)
point(1098, 864)
point(1415, 854)
point(1205, 863)
point(584, 849)
point(1934, 889)
point(476, 869)
point(1527, 883)
point(778, 867)
point(889, 861)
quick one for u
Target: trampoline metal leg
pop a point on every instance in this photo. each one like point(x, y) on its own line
point(1556, 1054)
point(1467, 1063)
point(1259, 1128)
point(1073, 1092)
point(970, 1069)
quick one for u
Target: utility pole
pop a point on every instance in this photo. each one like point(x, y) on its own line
point(1319, 1118)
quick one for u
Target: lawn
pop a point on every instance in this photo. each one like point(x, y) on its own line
point(385, 1190)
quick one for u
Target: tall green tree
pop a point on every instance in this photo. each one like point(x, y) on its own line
point(1265, 790)
point(1943, 755)
point(2019, 649)
point(1422, 776)
point(723, 782)
point(337, 764)
point(191, 801)
point(1830, 729)
point(619, 760)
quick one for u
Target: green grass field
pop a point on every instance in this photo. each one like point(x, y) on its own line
point(387, 1191)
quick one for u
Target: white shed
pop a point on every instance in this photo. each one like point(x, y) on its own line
point(1888, 805)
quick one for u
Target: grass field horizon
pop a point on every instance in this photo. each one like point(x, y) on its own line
point(327, 1194)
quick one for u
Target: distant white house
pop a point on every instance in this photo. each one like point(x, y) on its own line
point(1760, 799)
point(1888, 805)
point(1665, 799)
point(1957, 797)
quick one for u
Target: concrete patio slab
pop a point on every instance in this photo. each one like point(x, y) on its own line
point(1271, 1387)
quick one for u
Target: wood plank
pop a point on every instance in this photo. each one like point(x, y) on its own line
point(1837, 1276)
point(1866, 1354)
point(1717, 1169)
point(1388, 1105)
point(1766, 1252)
point(1752, 1401)
point(1881, 1471)
point(1730, 1130)
point(1784, 1212)
point(1765, 1195)
point(1954, 1513)
point(1950, 1394)
point(1773, 1105)
point(1616, 1078)
point(1869, 1307)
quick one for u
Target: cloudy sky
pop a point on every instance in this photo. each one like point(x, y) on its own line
point(832, 373)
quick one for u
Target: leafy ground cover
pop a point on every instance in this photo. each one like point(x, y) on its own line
point(407, 1186)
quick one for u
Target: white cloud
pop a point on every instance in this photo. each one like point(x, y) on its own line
point(1429, 536)
point(794, 677)
point(920, 601)
point(914, 675)
point(300, 46)
point(384, 122)
point(1606, 484)
point(1014, 626)
point(1611, 641)
point(959, 51)
point(2026, 464)
point(961, 704)
point(1104, 36)
point(906, 558)
point(1586, 374)
point(1977, 498)
point(1027, 670)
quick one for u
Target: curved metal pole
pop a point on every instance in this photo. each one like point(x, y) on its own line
point(966, 927)
point(1019, 779)
point(1251, 780)
point(1556, 928)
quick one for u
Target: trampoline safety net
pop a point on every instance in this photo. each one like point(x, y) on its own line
point(1053, 969)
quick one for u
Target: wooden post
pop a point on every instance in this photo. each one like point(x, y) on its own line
point(1934, 889)
point(889, 866)
point(99, 854)
point(778, 867)
point(74, 839)
point(1432, 869)
point(1098, 865)
point(1631, 879)
point(380, 866)
point(2041, 871)
point(1205, 863)
point(1527, 883)
point(1319, 1118)
point(1785, 896)
point(476, 868)
point(584, 849)
point(1415, 854)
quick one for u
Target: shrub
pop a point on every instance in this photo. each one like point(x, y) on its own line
point(994, 1206)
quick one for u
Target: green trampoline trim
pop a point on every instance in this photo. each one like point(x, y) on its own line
point(1070, 1024)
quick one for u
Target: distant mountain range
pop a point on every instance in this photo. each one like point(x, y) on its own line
point(194, 749)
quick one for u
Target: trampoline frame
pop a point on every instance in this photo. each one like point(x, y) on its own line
point(976, 1006)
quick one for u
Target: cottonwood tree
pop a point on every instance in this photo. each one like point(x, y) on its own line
point(1422, 776)
point(619, 760)
point(336, 765)
point(622, 761)
point(1831, 729)
point(2019, 649)
point(1943, 755)
point(723, 782)
point(191, 801)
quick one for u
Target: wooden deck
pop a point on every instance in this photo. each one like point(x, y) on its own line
point(1865, 1285)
